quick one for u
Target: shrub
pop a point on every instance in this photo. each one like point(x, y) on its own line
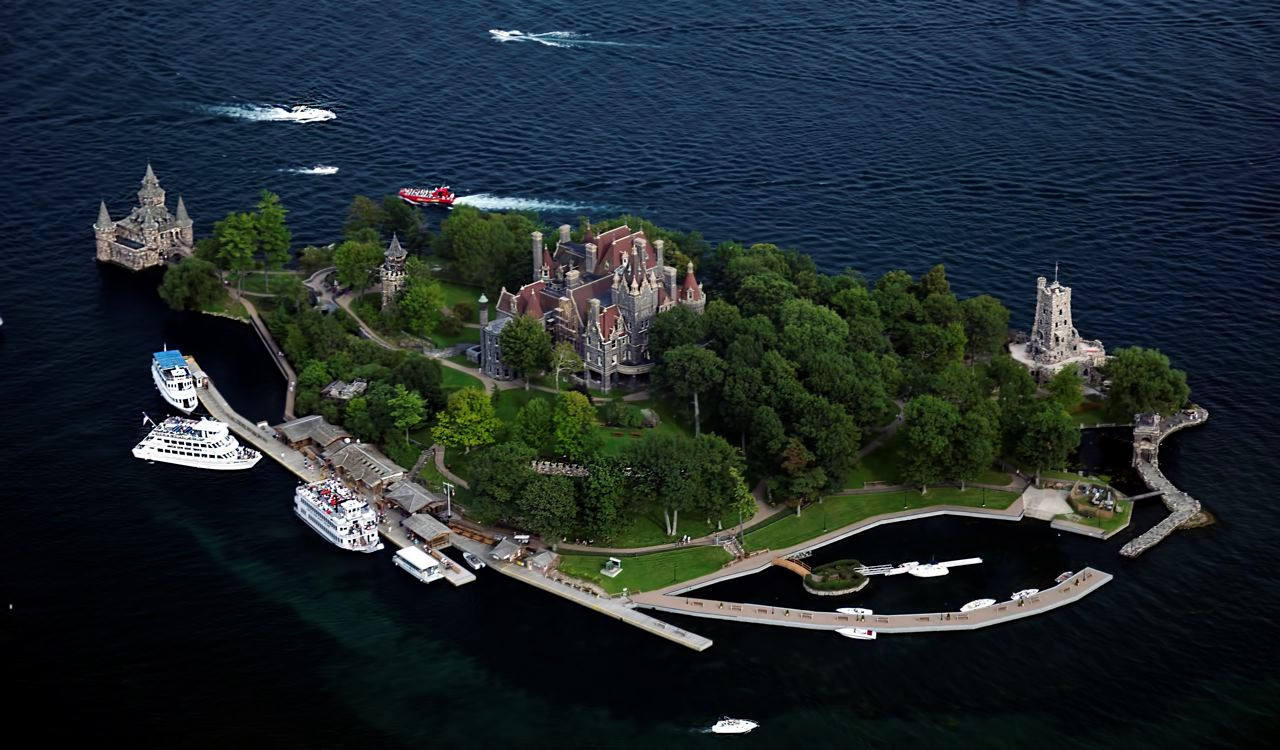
point(465, 310)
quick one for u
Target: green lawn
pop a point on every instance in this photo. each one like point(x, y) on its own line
point(455, 293)
point(466, 335)
point(1089, 413)
point(452, 379)
point(511, 401)
point(227, 307)
point(1117, 521)
point(841, 510)
point(646, 528)
point(277, 282)
point(880, 465)
point(647, 572)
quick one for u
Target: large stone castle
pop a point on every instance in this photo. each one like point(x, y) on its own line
point(150, 235)
point(601, 295)
point(1054, 341)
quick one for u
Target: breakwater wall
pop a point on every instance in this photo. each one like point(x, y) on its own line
point(1183, 508)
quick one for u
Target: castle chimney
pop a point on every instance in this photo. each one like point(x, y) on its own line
point(589, 261)
point(564, 232)
point(657, 248)
point(484, 310)
point(595, 311)
point(537, 254)
point(643, 248)
point(669, 276)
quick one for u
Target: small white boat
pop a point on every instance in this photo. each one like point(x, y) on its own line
point(418, 564)
point(930, 570)
point(977, 604)
point(854, 611)
point(504, 36)
point(475, 562)
point(303, 113)
point(733, 726)
point(862, 634)
point(1024, 594)
point(1063, 577)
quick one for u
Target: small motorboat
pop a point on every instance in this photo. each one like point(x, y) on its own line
point(1024, 594)
point(1064, 577)
point(901, 568)
point(854, 611)
point(439, 196)
point(504, 36)
point(862, 634)
point(977, 604)
point(475, 562)
point(733, 726)
point(303, 113)
point(929, 570)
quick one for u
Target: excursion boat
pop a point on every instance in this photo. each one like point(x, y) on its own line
point(862, 634)
point(475, 562)
point(977, 604)
point(928, 570)
point(418, 564)
point(173, 379)
point(854, 611)
point(1024, 594)
point(440, 196)
point(338, 514)
point(1063, 577)
point(200, 443)
point(733, 726)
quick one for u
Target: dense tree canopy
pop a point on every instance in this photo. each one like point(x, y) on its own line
point(467, 421)
point(192, 284)
point(1142, 381)
point(526, 346)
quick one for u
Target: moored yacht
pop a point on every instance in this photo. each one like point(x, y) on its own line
point(862, 634)
point(854, 611)
point(173, 379)
point(1024, 594)
point(338, 514)
point(201, 443)
point(977, 604)
point(733, 726)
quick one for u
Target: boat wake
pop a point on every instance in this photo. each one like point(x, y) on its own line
point(317, 169)
point(297, 113)
point(565, 39)
point(491, 202)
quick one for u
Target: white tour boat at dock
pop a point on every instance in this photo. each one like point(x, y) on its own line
point(1023, 594)
point(733, 726)
point(200, 443)
point(418, 564)
point(173, 379)
point(338, 514)
point(862, 634)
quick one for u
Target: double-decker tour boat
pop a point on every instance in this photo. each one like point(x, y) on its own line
point(338, 514)
point(440, 196)
point(173, 379)
point(200, 443)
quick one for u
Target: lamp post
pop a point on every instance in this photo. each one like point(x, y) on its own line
point(448, 501)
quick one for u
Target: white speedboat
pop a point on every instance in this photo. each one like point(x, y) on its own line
point(505, 36)
point(173, 379)
point(475, 562)
point(733, 726)
point(303, 113)
point(1024, 594)
point(854, 611)
point(200, 443)
point(977, 604)
point(1063, 577)
point(862, 634)
point(338, 514)
point(928, 570)
point(418, 564)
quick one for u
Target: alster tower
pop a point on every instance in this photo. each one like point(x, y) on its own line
point(1054, 340)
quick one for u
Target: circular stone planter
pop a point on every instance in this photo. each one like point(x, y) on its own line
point(838, 592)
point(841, 569)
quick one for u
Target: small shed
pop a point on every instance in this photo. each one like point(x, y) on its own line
point(433, 533)
point(506, 551)
point(544, 561)
point(310, 431)
point(413, 497)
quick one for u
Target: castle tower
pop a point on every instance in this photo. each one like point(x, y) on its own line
point(186, 231)
point(536, 246)
point(1053, 338)
point(151, 194)
point(392, 272)
point(691, 295)
point(484, 310)
point(104, 232)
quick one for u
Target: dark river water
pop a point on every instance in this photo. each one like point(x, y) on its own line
point(1135, 143)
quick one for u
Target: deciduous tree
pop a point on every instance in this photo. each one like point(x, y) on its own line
point(355, 260)
point(526, 346)
point(928, 429)
point(564, 361)
point(1048, 436)
point(547, 507)
point(1142, 381)
point(467, 421)
point(687, 371)
point(986, 326)
point(191, 284)
point(575, 423)
point(420, 306)
point(406, 409)
point(273, 234)
point(534, 426)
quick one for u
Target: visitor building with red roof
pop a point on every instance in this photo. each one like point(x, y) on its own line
point(601, 295)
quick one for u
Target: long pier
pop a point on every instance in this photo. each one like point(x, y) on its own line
point(1182, 507)
point(1077, 587)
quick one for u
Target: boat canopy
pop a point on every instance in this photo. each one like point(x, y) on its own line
point(417, 558)
point(170, 358)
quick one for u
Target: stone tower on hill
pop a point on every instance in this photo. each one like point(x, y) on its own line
point(1054, 341)
point(150, 235)
point(392, 272)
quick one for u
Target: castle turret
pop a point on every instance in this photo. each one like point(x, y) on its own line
point(1053, 338)
point(484, 310)
point(691, 295)
point(150, 194)
point(186, 228)
point(392, 272)
point(104, 232)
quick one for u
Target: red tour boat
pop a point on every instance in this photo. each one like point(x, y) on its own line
point(441, 196)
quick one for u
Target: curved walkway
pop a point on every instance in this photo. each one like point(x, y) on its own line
point(277, 355)
point(1182, 507)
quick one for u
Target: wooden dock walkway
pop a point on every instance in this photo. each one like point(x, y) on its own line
point(1078, 586)
point(615, 608)
point(264, 440)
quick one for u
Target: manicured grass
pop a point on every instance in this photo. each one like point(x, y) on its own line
point(994, 476)
point(276, 282)
point(614, 445)
point(880, 465)
point(647, 572)
point(841, 510)
point(512, 400)
point(452, 379)
point(1089, 413)
point(1116, 521)
point(467, 335)
point(455, 293)
point(646, 528)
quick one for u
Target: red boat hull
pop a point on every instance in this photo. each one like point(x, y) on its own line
point(426, 198)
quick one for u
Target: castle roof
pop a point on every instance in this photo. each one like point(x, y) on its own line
point(150, 185)
point(394, 251)
point(104, 218)
point(608, 320)
point(524, 301)
point(690, 284)
point(182, 211)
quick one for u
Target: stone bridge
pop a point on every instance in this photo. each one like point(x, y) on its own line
point(1148, 432)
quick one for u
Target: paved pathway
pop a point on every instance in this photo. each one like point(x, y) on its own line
point(440, 467)
point(1076, 587)
point(277, 356)
point(1182, 507)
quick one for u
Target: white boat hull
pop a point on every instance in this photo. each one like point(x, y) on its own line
point(861, 634)
point(977, 604)
point(928, 571)
point(733, 726)
point(196, 462)
point(854, 611)
point(180, 398)
point(424, 577)
point(307, 515)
